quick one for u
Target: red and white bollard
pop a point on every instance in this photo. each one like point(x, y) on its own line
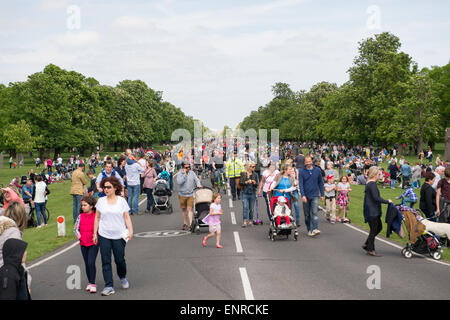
point(61, 226)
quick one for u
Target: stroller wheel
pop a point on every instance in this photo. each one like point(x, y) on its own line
point(408, 254)
point(295, 236)
point(436, 255)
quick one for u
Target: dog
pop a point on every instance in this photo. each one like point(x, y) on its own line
point(440, 229)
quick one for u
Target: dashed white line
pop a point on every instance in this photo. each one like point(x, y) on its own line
point(246, 284)
point(230, 202)
point(237, 240)
point(233, 218)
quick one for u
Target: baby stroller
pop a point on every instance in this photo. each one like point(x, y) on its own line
point(161, 197)
point(426, 242)
point(202, 201)
point(283, 229)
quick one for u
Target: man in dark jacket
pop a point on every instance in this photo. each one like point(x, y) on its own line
point(310, 183)
point(12, 273)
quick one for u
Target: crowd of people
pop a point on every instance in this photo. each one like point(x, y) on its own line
point(104, 200)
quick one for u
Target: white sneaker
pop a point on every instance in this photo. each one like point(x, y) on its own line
point(93, 289)
point(316, 232)
point(310, 234)
point(88, 288)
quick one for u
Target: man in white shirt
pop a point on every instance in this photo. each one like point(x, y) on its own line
point(439, 172)
point(134, 172)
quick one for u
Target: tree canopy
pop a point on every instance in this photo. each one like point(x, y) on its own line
point(386, 100)
point(65, 109)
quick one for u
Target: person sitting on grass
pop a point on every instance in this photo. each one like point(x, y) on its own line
point(408, 197)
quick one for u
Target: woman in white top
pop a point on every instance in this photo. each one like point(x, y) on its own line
point(267, 178)
point(40, 193)
point(113, 224)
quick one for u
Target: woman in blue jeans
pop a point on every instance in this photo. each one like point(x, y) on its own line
point(249, 183)
point(40, 193)
point(114, 228)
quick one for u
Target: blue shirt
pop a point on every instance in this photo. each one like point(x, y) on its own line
point(30, 190)
point(284, 184)
point(406, 170)
point(311, 182)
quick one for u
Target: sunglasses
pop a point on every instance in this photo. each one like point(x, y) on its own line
point(107, 187)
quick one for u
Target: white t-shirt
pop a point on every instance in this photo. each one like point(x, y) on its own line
point(112, 223)
point(39, 196)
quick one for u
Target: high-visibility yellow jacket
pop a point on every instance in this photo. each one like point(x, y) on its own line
point(234, 168)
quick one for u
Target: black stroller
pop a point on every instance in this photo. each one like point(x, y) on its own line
point(161, 197)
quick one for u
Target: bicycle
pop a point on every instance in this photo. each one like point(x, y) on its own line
point(32, 221)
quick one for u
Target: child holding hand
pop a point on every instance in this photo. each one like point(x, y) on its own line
point(213, 220)
point(84, 230)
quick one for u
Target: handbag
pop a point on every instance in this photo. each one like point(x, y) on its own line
point(238, 185)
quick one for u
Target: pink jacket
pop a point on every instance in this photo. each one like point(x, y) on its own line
point(149, 178)
point(84, 228)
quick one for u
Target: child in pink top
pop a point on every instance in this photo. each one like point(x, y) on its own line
point(84, 230)
point(213, 220)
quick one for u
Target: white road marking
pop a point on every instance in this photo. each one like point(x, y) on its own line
point(143, 200)
point(237, 240)
point(233, 218)
point(53, 256)
point(230, 202)
point(246, 284)
point(392, 244)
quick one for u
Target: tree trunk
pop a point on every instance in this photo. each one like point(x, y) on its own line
point(447, 145)
point(400, 149)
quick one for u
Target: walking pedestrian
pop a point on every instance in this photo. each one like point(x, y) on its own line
point(187, 180)
point(84, 231)
point(107, 172)
point(112, 230)
point(330, 199)
point(233, 173)
point(268, 177)
point(428, 197)
point(311, 183)
point(249, 182)
point(133, 173)
point(213, 220)
point(149, 180)
point(372, 210)
point(77, 189)
point(343, 189)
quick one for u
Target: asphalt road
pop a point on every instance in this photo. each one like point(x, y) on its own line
point(331, 265)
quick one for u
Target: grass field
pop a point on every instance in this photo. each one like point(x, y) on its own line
point(355, 212)
point(60, 203)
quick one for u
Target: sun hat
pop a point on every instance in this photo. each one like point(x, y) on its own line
point(281, 199)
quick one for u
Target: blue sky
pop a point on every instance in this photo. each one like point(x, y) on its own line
point(216, 60)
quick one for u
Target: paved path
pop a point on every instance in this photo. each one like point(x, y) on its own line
point(250, 266)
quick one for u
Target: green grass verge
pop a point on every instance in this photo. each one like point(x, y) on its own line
point(60, 203)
